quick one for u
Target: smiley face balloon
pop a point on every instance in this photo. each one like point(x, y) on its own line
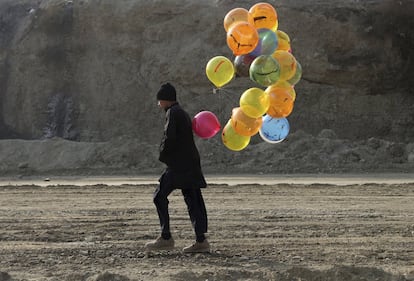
point(265, 70)
point(237, 15)
point(281, 101)
point(233, 140)
point(283, 41)
point(274, 130)
point(267, 42)
point(254, 102)
point(287, 63)
point(286, 86)
point(243, 124)
point(242, 38)
point(264, 16)
point(220, 71)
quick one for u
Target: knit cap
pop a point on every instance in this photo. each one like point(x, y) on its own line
point(167, 92)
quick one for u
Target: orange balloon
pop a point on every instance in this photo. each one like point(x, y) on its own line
point(264, 16)
point(287, 87)
point(287, 64)
point(242, 38)
point(243, 124)
point(281, 102)
point(237, 15)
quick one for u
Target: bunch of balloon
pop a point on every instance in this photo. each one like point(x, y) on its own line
point(263, 53)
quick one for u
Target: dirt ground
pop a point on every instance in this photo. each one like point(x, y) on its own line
point(257, 232)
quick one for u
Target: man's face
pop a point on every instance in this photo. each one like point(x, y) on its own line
point(163, 104)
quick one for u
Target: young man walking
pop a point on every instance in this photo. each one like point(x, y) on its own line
point(179, 152)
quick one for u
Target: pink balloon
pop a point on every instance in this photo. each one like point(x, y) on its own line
point(206, 125)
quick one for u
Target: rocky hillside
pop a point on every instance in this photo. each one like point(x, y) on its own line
point(78, 82)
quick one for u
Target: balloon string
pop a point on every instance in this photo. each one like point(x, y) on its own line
point(216, 91)
point(225, 96)
point(223, 90)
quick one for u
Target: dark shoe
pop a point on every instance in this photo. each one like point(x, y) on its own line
point(160, 244)
point(198, 247)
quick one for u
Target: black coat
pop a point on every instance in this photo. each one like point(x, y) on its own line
point(178, 150)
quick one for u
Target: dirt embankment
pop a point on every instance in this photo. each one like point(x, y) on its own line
point(87, 72)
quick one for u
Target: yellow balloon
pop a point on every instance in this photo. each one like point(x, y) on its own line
point(264, 16)
point(220, 71)
point(232, 140)
point(243, 124)
point(235, 16)
point(254, 102)
point(287, 64)
point(283, 41)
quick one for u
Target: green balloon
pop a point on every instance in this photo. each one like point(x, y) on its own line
point(297, 76)
point(264, 70)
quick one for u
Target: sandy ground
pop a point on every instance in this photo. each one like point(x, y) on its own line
point(278, 231)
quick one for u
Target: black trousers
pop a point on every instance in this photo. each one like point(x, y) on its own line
point(193, 199)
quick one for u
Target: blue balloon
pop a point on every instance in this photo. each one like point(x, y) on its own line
point(274, 130)
point(267, 43)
